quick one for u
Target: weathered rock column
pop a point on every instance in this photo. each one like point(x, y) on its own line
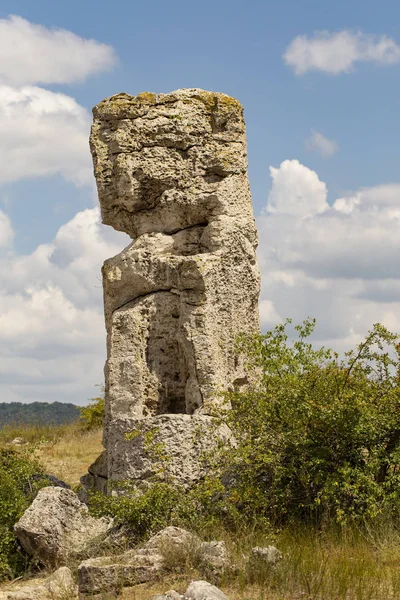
point(171, 171)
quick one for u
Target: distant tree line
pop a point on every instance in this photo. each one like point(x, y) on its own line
point(35, 413)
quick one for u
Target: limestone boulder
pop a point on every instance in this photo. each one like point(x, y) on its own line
point(197, 590)
point(264, 556)
point(59, 586)
point(58, 526)
point(214, 560)
point(170, 595)
point(171, 538)
point(202, 590)
point(109, 574)
point(96, 479)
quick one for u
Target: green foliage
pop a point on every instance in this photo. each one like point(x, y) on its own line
point(92, 415)
point(204, 508)
point(17, 490)
point(144, 512)
point(318, 437)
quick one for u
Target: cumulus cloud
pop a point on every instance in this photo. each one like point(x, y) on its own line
point(339, 264)
point(336, 262)
point(51, 317)
point(296, 190)
point(43, 133)
point(51, 314)
point(32, 53)
point(6, 230)
point(338, 52)
point(322, 145)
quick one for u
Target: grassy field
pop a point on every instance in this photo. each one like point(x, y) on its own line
point(66, 451)
point(328, 565)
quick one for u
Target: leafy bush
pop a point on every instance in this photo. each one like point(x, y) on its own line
point(92, 416)
point(144, 512)
point(17, 490)
point(204, 508)
point(318, 437)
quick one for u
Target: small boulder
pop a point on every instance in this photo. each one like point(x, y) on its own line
point(58, 526)
point(171, 537)
point(59, 586)
point(268, 556)
point(18, 441)
point(109, 574)
point(202, 590)
point(170, 595)
point(214, 559)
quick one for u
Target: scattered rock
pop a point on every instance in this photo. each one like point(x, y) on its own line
point(171, 537)
point(170, 595)
point(202, 590)
point(111, 573)
point(57, 526)
point(96, 479)
point(59, 586)
point(18, 441)
point(197, 590)
point(214, 559)
point(265, 556)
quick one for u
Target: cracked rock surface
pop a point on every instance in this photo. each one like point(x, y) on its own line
point(57, 526)
point(171, 171)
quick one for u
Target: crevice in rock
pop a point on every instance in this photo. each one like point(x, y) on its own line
point(211, 176)
point(140, 297)
point(201, 224)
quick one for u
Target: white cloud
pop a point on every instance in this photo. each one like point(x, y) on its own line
point(43, 133)
point(337, 52)
point(51, 313)
point(6, 230)
point(296, 190)
point(31, 53)
point(317, 142)
point(339, 265)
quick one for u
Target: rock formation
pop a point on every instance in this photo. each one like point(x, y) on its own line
point(167, 551)
point(171, 172)
point(57, 526)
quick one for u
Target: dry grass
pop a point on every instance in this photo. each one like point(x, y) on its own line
point(330, 566)
point(69, 457)
point(65, 451)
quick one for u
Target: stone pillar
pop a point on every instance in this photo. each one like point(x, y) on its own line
point(171, 172)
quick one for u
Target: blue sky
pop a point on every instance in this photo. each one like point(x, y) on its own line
point(329, 108)
point(237, 47)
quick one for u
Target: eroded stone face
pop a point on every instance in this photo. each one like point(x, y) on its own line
point(171, 171)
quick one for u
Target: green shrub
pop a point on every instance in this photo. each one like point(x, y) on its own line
point(17, 490)
point(143, 512)
point(204, 508)
point(318, 437)
point(92, 415)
